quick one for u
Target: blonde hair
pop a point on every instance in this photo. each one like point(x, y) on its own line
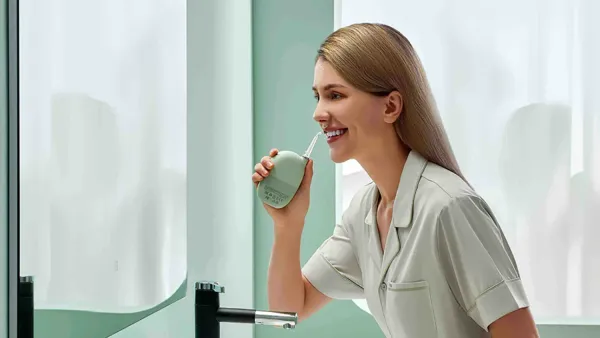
point(377, 59)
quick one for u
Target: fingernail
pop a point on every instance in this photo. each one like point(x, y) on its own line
point(269, 165)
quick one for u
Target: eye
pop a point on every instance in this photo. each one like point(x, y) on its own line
point(335, 96)
point(316, 96)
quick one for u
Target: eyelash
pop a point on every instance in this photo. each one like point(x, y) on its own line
point(332, 96)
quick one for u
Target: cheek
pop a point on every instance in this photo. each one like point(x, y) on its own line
point(367, 121)
point(372, 120)
point(355, 115)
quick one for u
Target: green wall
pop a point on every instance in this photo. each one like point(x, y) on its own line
point(286, 36)
point(3, 172)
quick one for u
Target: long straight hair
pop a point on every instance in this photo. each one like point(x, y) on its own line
point(377, 59)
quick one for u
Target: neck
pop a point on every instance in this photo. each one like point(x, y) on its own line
point(384, 166)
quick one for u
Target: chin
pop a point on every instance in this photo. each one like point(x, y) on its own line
point(338, 157)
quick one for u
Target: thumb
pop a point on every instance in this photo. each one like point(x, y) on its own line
point(308, 174)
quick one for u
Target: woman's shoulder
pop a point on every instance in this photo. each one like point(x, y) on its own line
point(361, 202)
point(440, 187)
point(363, 196)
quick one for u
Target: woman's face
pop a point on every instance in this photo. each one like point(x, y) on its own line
point(354, 121)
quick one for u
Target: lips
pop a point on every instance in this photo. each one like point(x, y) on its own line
point(335, 134)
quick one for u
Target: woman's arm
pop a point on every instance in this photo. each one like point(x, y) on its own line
point(517, 324)
point(481, 270)
point(288, 289)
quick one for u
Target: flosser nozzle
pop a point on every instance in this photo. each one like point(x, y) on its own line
point(311, 146)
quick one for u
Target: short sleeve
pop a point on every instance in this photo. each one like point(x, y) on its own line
point(333, 269)
point(477, 261)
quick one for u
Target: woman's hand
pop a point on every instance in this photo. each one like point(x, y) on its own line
point(293, 214)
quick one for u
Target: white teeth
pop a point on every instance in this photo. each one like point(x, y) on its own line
point(335, 132)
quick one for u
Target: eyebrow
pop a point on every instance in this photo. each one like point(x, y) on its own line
point(330, 86)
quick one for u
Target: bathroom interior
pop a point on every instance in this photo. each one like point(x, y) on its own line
point(132, 127)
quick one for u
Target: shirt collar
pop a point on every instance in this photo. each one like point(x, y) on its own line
point(405, 195)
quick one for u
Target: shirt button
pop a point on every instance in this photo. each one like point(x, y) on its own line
point(383, 286)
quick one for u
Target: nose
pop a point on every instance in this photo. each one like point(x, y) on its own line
point(321, 116)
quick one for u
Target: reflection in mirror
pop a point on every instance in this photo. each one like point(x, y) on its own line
point(102, 158)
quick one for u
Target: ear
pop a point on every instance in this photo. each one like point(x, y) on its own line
point(393, 107)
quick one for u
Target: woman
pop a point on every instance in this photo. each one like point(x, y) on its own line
point(418, 243)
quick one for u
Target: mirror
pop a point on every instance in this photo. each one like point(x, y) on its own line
point(102, 161)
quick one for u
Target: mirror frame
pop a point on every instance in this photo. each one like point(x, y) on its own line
point(12, 19)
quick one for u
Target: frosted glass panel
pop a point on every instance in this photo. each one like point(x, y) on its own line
point(517, 85)
point(103, 152)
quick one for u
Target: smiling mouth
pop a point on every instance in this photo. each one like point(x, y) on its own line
point(335, 134)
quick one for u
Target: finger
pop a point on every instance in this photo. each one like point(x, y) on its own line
point(259, 168)
point(267, 163)
point(273, 152)
point(308, 174)
point(256, 177)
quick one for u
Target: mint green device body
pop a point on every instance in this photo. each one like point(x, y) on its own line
point(283, 181)
point(278, 189)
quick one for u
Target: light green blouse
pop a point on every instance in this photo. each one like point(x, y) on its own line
point(447, 270)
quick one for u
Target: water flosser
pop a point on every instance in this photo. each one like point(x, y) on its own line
point(278, 189)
